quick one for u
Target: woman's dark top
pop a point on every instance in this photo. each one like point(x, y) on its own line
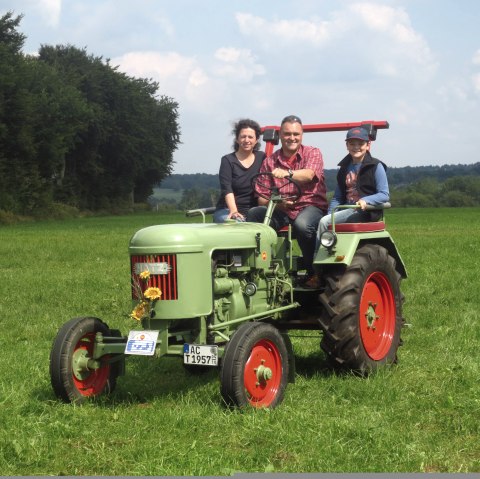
point(235, 178)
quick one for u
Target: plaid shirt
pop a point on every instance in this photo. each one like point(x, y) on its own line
point(313, 193)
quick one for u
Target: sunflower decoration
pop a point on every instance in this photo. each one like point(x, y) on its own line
point(147, 297)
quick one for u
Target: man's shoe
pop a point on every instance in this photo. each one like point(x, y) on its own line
point(312, 282)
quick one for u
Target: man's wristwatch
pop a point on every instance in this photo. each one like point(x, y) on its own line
point(290, 173)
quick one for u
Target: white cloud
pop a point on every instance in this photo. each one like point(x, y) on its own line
point(276, 32)
point(475, 78)
point(360, 41)
point(162, 66)
point(397, 39)
point(453, 93)
point(476, 58)
point(180, 77)
point(175, 73)
point(281, 32)
point(165, 25)
point(193, 83)
point(237, 65)
point(48, 10)
point(476, 82)
point(197, 78)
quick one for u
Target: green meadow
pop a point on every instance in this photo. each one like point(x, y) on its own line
point(422, 415)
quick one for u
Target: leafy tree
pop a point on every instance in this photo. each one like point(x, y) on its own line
point(20, 180)
point(73, 129)
point(417, 199)
point(456, 199)
point(190, 199)
point(469, 185)
point(428, 186)
point(128, 143)
point(61, 115)
point(11, 41)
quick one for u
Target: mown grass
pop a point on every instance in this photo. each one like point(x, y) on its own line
point(419, 416)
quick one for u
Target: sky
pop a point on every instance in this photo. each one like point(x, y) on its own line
point(414, 63)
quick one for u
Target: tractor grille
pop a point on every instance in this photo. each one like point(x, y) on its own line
point(163, 274)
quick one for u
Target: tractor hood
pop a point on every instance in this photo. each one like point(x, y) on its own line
point(188, 249)
point(200, 237)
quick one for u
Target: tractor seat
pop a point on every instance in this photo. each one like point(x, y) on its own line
point(359, 227)
point(348, 227)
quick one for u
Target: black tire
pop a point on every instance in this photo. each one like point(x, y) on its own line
point(254, 368)
point(363, 312)
point(74, 341)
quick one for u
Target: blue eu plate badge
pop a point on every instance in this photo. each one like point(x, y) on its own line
point(141, 343)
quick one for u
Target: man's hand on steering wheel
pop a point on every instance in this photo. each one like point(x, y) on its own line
point(275, 193)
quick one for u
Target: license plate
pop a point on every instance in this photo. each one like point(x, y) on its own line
point(200, 355)
point(141, 343)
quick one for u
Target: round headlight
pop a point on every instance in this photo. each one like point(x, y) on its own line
point(328, 239)
point(250, 289)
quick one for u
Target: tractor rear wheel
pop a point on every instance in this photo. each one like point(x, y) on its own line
point(254, 367)
point(71, 377)
point(363, 308)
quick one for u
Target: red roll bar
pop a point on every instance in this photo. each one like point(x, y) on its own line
point(271, 133)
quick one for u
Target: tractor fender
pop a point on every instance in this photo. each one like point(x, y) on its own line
point(348, 244)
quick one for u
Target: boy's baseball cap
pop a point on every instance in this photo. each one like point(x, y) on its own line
point(358, 133)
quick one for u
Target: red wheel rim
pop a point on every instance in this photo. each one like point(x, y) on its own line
point(94, 381)
point(377, 316)
point(263, 373)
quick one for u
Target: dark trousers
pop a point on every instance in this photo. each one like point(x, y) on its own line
point(304, 227)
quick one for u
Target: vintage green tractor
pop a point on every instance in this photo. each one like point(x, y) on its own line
point(226, 296)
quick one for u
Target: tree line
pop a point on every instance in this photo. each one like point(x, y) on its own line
point(415, 186)
point(75, 132)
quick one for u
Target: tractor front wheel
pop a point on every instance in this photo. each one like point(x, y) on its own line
point(254, 367)
point(73, 376)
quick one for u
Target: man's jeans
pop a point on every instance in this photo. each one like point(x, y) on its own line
point(304, 228)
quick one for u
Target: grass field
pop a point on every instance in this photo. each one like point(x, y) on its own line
point(422, 415)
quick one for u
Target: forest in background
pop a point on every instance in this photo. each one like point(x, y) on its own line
point(418, 186)
point(75, 133)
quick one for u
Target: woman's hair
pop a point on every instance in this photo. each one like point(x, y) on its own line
point(246, 123)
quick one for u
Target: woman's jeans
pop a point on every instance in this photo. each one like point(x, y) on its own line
point(304, 228)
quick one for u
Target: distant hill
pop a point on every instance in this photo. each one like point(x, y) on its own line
point(397, 177)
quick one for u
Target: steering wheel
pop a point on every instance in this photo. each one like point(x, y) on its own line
point(275, 191)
